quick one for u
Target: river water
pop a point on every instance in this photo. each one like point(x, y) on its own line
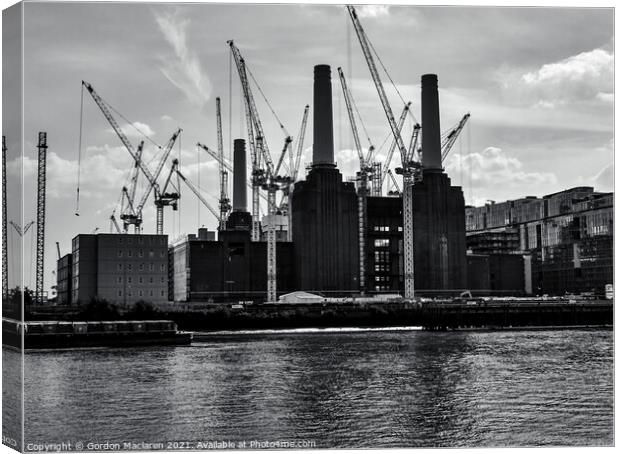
point(330, 389)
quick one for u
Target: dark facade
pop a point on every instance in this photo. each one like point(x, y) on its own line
point(325, 220)
point(497, 241)
point(325, 232)
point(439, 234)
point(121, 268)
point(233, 268)
point(64, 268)
point(384, 244)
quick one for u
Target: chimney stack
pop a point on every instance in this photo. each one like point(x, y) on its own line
point(431, 134)
point(323, 146)
point(240, 202)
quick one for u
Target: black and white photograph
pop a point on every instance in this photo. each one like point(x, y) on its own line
point(240, 226)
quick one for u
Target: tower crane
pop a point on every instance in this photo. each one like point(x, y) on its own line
point(411, 171)
point(127, 197)
point(224, 200)
point(151, 179)
point(451, 137)
point(265, 175)
point(161, 199)
point(255, 132)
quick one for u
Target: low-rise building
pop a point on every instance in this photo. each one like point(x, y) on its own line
point(120, 268)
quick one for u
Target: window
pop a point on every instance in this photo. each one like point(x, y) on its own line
point(130, 240)
point(162, 279)
point(140, 280)
point(162, 267)
point(140, 293)
point(120, 293)
point(400, 228)
point(151, 253)
point(382, 242)
point(129, 280)
point(129, 253)
point(151, 280)
point(141, 267)
point(120, 239)
point(129, 267)
point(162, 253)
point(151, 266)
point(119, 280)
point(162, 293)
point(119, 267)
point(129, 293)
point(162, 240)
point(151, 293)
point(120, 252)
point(140, 240)
point(140, 253)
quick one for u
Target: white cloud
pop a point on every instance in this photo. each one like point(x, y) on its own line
point(373, 11)
point(184, 70)
point(584, 77)
point(166, 118)
point(494, 171)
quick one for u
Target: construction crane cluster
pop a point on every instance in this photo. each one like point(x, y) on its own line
point(270, 176)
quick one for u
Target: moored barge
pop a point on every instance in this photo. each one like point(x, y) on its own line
point(120, 333)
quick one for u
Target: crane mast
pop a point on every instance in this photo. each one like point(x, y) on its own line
point(410, 172)
point(224, 200)
point(5, 260)
point(41, 179)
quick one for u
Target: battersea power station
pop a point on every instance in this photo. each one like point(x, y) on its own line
point(324, 254)
point(337, 240)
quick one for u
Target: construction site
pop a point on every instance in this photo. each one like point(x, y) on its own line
point(399, 229)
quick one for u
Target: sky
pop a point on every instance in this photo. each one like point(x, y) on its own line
point(538, 83)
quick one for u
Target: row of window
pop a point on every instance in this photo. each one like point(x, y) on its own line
point(382, 279)
point(129, 253)
point(382, 242)
point(140, 240)
point(140, 280)
point(141, 293)
point(385, 268)
point(162, 267)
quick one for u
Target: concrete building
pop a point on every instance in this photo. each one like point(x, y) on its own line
point(121, 268)
point(324, 209)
